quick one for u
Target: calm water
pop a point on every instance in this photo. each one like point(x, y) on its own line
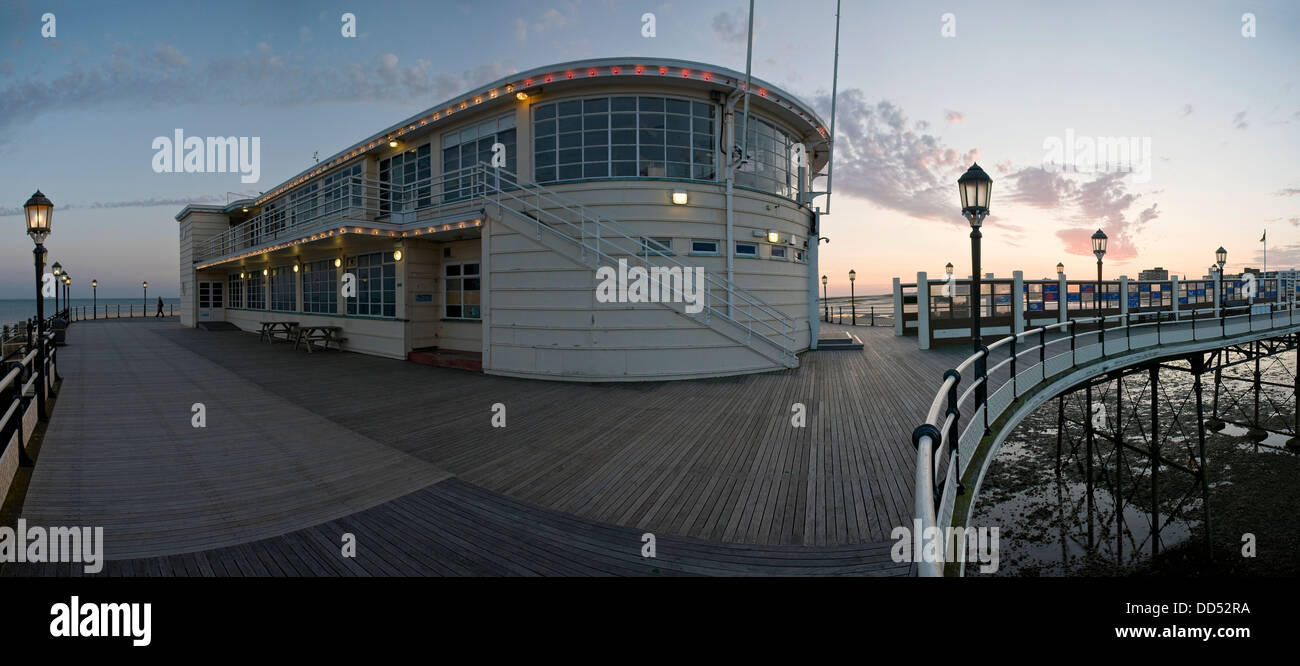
point(1047, 523)
point(16, 309)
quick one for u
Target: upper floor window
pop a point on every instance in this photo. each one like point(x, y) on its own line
point(770, 166)
point(342, 189)
point(405, 178)
point(469, 146)
point(624, 137)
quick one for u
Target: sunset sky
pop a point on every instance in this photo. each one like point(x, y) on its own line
point(1220, 112)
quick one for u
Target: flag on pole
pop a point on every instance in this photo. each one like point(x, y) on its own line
point(1261, 238)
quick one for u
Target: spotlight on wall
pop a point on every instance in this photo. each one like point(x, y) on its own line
point(397, 255)
point(295, 268)
point(773, 236)
point(679, 197)
point(241, 275)
point(521, 96)
point(393, 143)
point(337, 262)
point(265, 272)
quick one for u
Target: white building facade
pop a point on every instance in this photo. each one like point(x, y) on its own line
point(490, 226)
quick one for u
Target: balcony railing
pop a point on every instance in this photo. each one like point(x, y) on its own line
point(347, 200)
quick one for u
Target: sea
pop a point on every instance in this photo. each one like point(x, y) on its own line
point(13, 310)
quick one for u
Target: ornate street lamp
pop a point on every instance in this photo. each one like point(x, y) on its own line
point(975, 187)
point(825, 303)
point(145, 285)
point(1060, 269)
point(1099, 249)
point(1221, 258)
point(94, 309)
point(853, 307)
point(39, 212)
point(57, 269)
point(67, 293)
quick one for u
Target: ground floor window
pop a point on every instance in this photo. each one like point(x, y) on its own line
point(319, 287)
point(256, 291)
point(236, 291)
point(283, 293)
point(461, 291)
point(376, 276)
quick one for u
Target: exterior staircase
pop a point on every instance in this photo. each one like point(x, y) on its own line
point(593, 240)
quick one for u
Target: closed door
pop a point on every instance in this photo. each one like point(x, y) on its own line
point(212, 305)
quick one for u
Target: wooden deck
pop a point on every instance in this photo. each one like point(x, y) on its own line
point(299, 449)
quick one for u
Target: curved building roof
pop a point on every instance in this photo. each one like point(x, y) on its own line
point(767, 98)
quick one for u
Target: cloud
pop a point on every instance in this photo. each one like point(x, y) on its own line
point(550, 18)
point(879, 159)
point(1287, 192)
point(1185, 111)
point(304, 34)
point(954, 116)
point(1037, 187)
point(732, 27)
point(133, 203)
point(1104, 201)
point(261, 78)
point(1239, 120)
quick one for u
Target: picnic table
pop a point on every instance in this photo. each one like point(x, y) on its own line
point(271, 329)
point(322, 334)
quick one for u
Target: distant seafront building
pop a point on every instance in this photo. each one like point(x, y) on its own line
point(603, 160)
point(1157, 273)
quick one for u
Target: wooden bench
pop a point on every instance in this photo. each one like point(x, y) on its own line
point(322, 334)
point(273, 329)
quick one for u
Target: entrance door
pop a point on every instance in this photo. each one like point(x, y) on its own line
point(212, 304)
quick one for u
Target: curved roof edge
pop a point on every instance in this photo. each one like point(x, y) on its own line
point(621, 67)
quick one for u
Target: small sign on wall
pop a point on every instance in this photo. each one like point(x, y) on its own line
point(424, 298)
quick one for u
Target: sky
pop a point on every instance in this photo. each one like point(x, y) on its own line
point(1206, 102)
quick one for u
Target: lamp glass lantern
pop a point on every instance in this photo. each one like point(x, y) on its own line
point(1099, 244)
point(975, 187)
point(823, 280)
point(57, 268)
point(947, 270)
point(853, 275)
point(1221, 257)
point(1060, 268)
point(39, 211)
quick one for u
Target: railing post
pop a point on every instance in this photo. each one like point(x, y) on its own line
point(1074, 358)
point(954, 432)
point(1042, 349)
point(1014, 393)
point(982, 389)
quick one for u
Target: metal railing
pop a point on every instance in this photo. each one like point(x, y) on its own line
point(358, 200)
point(352, 199)
point(1018, 368)
point(19, 390)
point(115, 311)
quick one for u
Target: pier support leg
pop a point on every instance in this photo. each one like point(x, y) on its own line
point(1256, 432)
point(1060, 429)
point(1214, 422)
point(1198, 367)
point(1155, 461)
point(1118, 495)
point(1089, 432)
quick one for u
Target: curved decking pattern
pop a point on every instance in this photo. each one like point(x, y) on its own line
point(299, 449)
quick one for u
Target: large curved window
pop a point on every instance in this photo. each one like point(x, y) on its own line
point(624, 137)
point(770, 167)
